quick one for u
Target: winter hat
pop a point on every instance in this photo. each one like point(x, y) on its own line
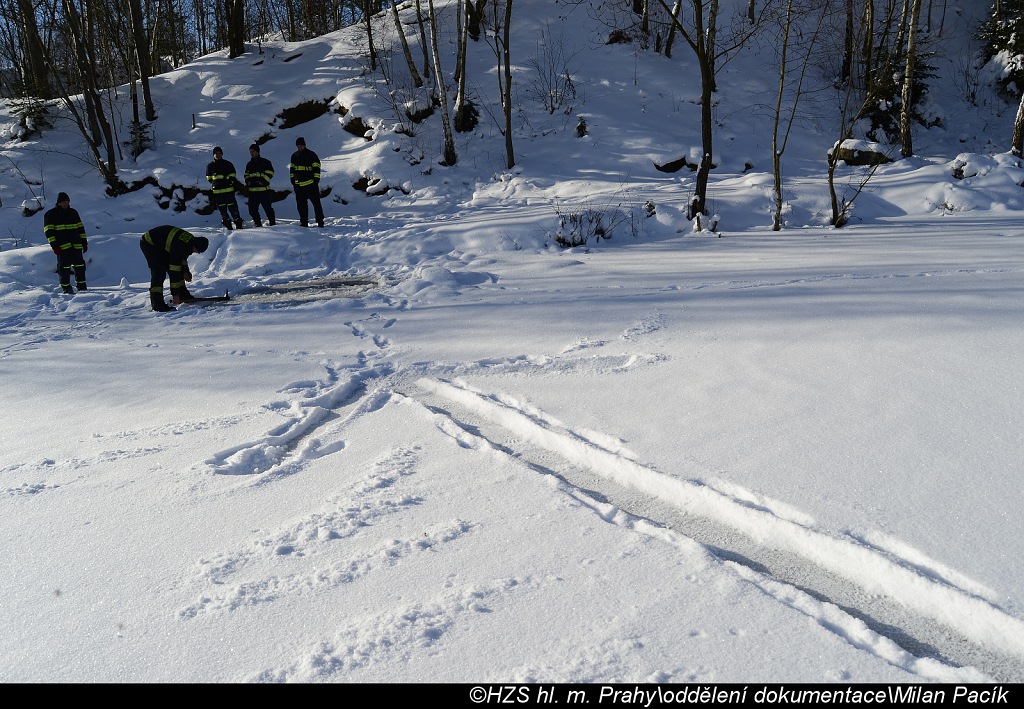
point(218, 150)
point(254, 147)
point(63, 197)
point(300, 141)
point(200, 243)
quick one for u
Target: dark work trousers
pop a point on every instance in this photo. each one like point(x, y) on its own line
point(69, 260)
point(258, 200)
point(227, 207)
point(309, 193)
point(159, 269)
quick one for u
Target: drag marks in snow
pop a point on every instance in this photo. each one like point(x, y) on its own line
point(279, 583)
point(959, 621)
point(66, 471)
point(284, 449)
point(26, 489)
point(413, 629)
point(35, 317)
point(650, 324)
point(261, 573)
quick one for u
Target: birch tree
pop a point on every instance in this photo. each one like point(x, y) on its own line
point(450, 155)
point(501, 35)
point(910, 66)
point(794, 89)
point(1017, 140)
point(416, 78)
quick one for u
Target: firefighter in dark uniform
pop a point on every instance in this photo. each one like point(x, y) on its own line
point(304, 172)
point(167, 249)
point(65, 233)
point(221, 174)
point(258, 172)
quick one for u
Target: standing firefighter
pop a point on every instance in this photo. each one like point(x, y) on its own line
point(167, 249)
point(65, 232)
point(304, 172)
point(258, 172)
point(221, 174)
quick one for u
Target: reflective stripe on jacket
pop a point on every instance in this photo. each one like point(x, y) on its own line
point(304, 169)
point(221, 175)
point(63, 229)
point(175, 245)
point(258, 174)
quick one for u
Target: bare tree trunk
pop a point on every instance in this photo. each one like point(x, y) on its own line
point(507, 98)
point(465, 116)
point(94, 125)
point(869, 43)
point(1017, 141)
point(475, 15)
point(503, 52)
point(423, 39)
point(36, 73)
point(701, 41)
point(777, 147)
point(416, 78)
point(712, 32)
point(199, 13)
point(367, 16)
point(461, 20)
point(450, 155)
point(141, 46)
point(292, 21)
point(673, 19)
point(907, 109)
point(234, 15)
point(780, 138)
point(841, 207)
point(846, 72)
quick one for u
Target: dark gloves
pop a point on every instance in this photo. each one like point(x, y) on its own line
point(56, 251)
point(85, 246)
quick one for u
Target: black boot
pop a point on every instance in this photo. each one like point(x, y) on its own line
point(227, 224)
point(158, 303)
point(239, 224)
point(272, 222)
point(257, 223)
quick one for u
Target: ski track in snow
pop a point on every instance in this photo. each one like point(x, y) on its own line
point(317, 412)
point(920, 586)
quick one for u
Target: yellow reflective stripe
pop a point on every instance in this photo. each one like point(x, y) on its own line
point(170, 238)
point(63, 227)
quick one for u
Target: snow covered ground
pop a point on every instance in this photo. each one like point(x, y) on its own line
point(671, 456)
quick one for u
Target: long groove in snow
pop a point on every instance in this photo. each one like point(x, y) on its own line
point(971, 617)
